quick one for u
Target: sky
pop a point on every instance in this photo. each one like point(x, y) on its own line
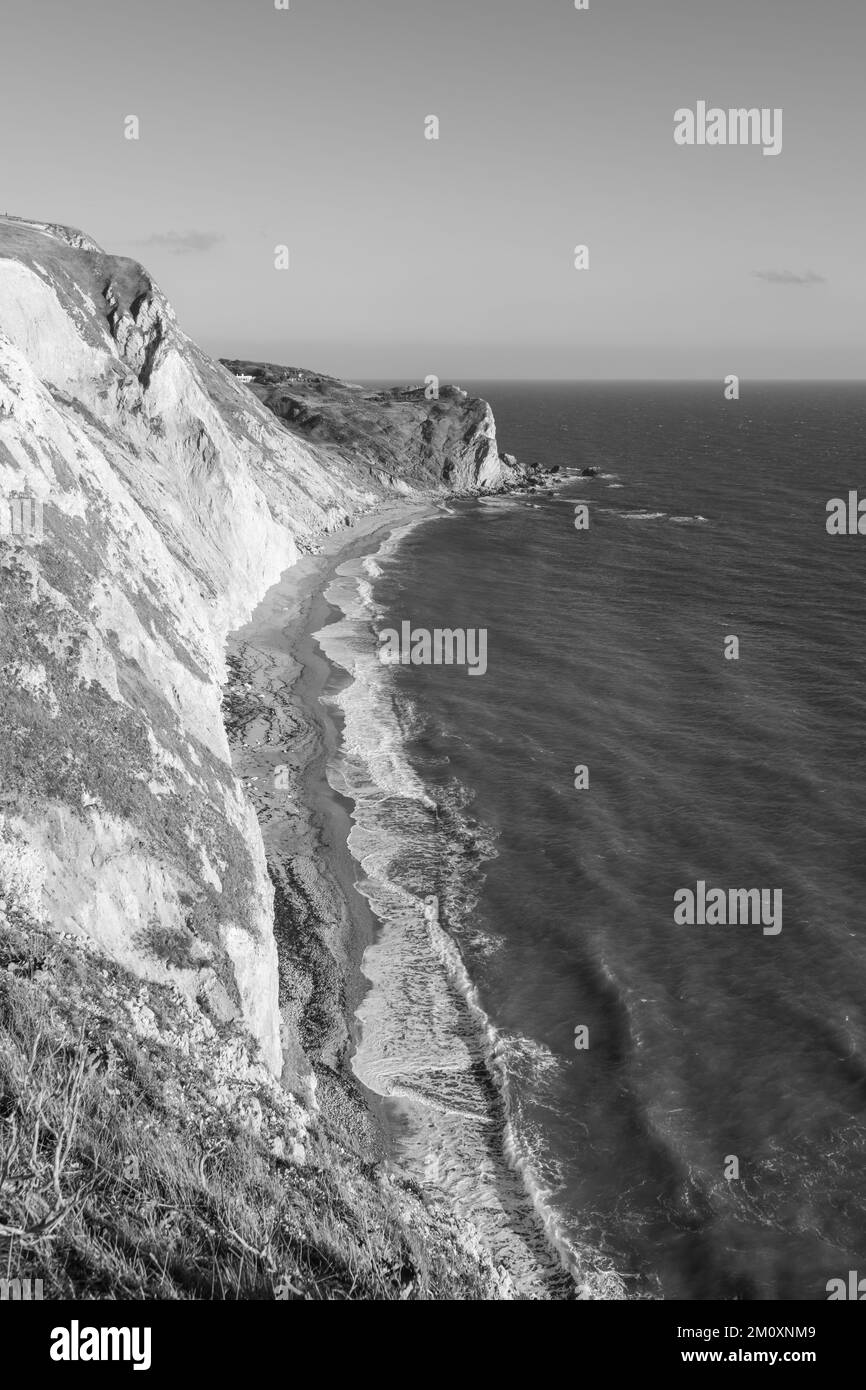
point(305, 127)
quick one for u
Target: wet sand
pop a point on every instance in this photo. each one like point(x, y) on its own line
point(282, 736)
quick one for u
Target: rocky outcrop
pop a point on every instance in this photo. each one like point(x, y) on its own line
point(435, 439)
point(71, 235)
point(169, 497)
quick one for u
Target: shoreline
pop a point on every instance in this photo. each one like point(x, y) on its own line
point(282, 736)
point(426, 1047)
point(286, 719)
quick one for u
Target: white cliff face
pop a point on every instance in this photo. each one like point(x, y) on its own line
point(172, 498)
point(484, 465)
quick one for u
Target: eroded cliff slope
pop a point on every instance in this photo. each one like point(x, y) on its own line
point(149, 499)
point(171, 498)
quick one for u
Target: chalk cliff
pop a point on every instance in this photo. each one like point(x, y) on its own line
point(149, 499)
point(171, 499)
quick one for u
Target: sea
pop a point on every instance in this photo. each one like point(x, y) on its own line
point(626, 1105)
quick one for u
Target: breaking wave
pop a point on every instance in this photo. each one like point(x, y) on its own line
point(426, 1043)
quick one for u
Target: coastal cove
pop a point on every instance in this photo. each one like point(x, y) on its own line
point(501, 912)
point(606, 648)
point(155, 498)
point(433, 680)
point(287, 727)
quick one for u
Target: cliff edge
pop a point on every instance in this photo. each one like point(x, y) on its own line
point(149, 500)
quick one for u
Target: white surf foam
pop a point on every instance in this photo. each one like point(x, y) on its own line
point(425, 1040)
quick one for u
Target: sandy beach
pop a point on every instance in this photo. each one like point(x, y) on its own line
point(282, 736)
point(285, 730)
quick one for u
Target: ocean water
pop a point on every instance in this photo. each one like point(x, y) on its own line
point(709, 1142)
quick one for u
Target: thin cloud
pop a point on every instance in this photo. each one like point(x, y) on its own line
point(790, 277)
point(183, 243)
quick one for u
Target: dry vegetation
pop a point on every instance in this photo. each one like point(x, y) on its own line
point(121, 1178)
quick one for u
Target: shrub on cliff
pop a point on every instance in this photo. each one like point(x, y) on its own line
point(141, 1164)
